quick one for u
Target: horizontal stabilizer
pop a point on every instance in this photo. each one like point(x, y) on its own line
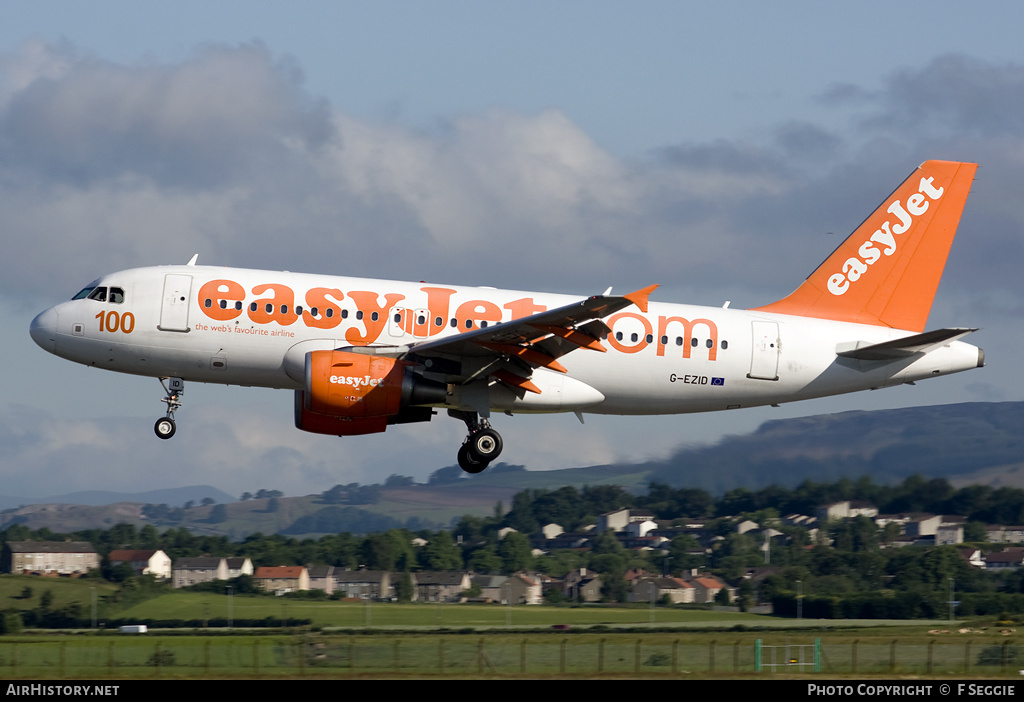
point(900, 348)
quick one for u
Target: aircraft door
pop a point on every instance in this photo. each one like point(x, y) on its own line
point(399, 321)
point(764, 359)
point(421, 324)
point(175, 302)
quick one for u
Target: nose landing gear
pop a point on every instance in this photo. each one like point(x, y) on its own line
point(174, 388)
point(482, 445)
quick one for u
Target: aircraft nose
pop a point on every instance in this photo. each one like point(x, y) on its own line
point(44, 330)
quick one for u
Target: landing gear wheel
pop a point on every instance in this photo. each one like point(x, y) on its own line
point(469, 462)
point(173, 390)
point(165, 427)
point(485, 444)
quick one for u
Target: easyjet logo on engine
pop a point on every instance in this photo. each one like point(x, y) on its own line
point(365, 381)
point(885, 236)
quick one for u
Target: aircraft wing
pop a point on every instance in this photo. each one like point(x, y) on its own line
point(510, 351)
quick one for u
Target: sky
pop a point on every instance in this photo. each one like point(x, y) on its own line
point(721, 150)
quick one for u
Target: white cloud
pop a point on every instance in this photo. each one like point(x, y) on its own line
point(106, 166)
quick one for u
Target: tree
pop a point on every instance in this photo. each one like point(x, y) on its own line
point(441, 553)
point(485, 560)
point(394, 480)
point(975, 532)
point(149, 537)
point(11, 622)
point(448, 474)
point(514, 552)
point(218, 514)
point(403, 588)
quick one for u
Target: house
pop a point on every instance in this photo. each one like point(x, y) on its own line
point(200, 569)
point(321, 577)
point(364, 584)
point(238, 566)
point(705, 587)
point(491, 586)
point(847, 509)
point(525, 589)
point(49, 557)
point(1005, 534)
point(563, 540)
point(550, 531)
point(922, 525)
point(621, 518)
point(581, 585)
point(972, 556)
point(1012, 557)
point(282, 579)
point(653, 589)
point(143, 562)
point(640, 528)
point(747, 525)
point(440, 586)
point(949, 534)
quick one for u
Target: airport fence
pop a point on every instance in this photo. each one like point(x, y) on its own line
point(470, 655)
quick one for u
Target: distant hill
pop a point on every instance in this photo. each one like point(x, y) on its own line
point(964, 443)
point(968, 442)
point(175, 497)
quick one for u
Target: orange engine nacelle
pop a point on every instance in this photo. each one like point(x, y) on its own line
point(353, 393)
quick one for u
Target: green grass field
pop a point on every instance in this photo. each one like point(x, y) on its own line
point(555, 654)
point(417, 615)
point(350, 639)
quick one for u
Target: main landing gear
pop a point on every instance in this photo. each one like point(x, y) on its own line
point(482, 445)
point(174, 388)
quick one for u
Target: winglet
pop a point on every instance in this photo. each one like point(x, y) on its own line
point(639, 297)
point(886, 273)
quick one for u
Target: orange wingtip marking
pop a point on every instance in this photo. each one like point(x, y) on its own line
point(529, 355)
point(516, 381)
point(639, 297)
point(577, 337)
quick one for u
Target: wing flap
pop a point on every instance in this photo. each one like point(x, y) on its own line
point(530, 342)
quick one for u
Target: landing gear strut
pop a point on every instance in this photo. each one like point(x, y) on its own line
point(174, 388)
point(482, 445)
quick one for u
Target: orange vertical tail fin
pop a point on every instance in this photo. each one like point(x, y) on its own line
point(886, 273)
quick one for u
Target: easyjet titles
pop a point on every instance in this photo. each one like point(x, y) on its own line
point(868, 254)
point(224, 300)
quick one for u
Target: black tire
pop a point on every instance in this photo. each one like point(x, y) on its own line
point(469, 462)
point(485, 445)
point(165, 427)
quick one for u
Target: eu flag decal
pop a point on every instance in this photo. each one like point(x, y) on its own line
point(718, 381)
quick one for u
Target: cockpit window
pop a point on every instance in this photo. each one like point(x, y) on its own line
point(99, 294)
point(117, 295)
point(86, 291)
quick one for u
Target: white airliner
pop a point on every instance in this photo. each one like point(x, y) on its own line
point(362, 354)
